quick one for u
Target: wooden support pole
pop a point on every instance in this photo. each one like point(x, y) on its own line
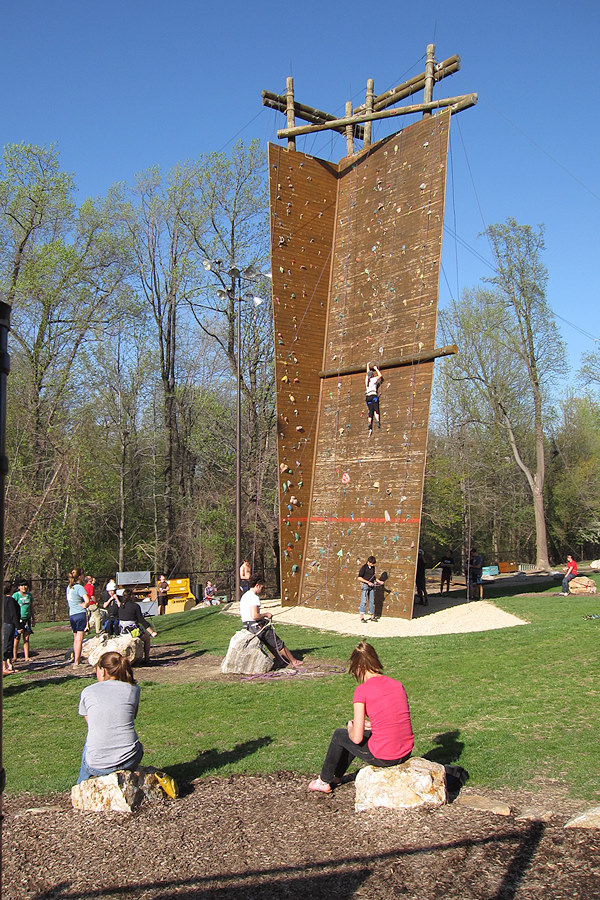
point(429, 77)
point(369, 109)
point(393, 363)
point(414, 85)
point(308, 113)
point(291, 120)
point(349, 131)
point(461, 102)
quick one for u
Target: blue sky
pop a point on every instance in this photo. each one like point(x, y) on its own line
point(120, 85)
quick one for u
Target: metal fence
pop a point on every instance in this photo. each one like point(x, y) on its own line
point(50, 602)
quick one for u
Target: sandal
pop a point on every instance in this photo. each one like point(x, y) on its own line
point(320, 786)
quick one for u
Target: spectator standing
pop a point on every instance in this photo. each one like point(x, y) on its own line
point(162, 594)
point(245, 575)
point(420, 578)
point(10, 625)
point(368, 582)
point(78, 601)
point(24, 598)
point(447, 564)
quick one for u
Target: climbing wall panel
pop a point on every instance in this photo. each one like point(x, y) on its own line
point(363, 494)
point(303, 198)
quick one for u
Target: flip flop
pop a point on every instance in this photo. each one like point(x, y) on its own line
point(320, 786)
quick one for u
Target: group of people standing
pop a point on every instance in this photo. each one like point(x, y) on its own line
point(18, 622)
point(123, 614)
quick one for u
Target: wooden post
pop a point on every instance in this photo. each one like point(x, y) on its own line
point(349, 131)
point(429, 76)
point(291, 119)
point(369, 109)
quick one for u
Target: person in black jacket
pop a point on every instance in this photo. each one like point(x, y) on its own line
point(11, 623)
point(130, 618)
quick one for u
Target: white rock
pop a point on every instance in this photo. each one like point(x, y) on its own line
point(595, 565)
point(582, 585)
point(588, 819)
point(246, 656)
point(121, 791)
point(416, 782)
point(129, 647)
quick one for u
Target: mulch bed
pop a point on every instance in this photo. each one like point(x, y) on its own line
point(247, 837)
point(268, 837)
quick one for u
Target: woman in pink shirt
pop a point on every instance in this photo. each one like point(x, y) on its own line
point(380, 732)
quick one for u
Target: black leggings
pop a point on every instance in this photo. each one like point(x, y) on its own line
point(342, 751)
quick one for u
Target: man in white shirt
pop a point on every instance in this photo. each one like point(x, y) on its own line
point(259, 623)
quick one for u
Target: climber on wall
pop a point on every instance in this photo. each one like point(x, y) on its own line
point(373, 381)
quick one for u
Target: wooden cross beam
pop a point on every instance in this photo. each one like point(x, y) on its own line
point(394, 363)
point(356, 124)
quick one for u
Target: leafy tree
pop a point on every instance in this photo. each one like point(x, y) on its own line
point(510, 356)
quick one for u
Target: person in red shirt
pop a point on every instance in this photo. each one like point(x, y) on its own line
point(380, 733)
point(570, 573)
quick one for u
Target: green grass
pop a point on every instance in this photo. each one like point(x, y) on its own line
point(515, 706)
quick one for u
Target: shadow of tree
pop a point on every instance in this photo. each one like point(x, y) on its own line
point(340, 878)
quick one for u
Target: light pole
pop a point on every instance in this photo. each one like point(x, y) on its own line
point(250, 273)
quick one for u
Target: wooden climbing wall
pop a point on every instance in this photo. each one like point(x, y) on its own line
point(356, 256)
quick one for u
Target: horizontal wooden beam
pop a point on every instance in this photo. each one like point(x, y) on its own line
point(308, 113)
point(456, 103)
point(414, 85)
point(394, 363)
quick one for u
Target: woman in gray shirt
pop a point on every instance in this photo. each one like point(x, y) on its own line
point(110, 707)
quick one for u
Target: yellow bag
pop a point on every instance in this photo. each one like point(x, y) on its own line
point(168, 784)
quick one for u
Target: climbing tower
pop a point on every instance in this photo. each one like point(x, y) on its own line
point(356, 249)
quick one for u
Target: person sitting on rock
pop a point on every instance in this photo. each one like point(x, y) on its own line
point(381, 731)
point(131, 618)
point(110, 707)
point(260, 623)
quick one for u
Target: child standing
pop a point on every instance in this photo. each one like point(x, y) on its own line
point(26, 619)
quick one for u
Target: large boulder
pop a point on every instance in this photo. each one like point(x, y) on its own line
point(246, 655)
point(121, 791)
point(416, 782)
point(130, 647)
point(595, 565)
point(582, 585)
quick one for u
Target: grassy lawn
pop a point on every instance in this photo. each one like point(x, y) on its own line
point(514, 707)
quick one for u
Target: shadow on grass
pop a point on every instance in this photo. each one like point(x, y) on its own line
point(448, 748)
point(215, 759)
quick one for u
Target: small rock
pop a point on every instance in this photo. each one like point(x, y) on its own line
point(246, 655)
point(535, 815)
point(588, 819)
point(121, 791)
point(37, 811)
point(416, 782)
point(476, 801)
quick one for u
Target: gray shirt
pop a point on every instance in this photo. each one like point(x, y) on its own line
point(111, 707)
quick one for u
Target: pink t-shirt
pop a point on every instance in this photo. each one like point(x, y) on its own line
point(386, 706)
